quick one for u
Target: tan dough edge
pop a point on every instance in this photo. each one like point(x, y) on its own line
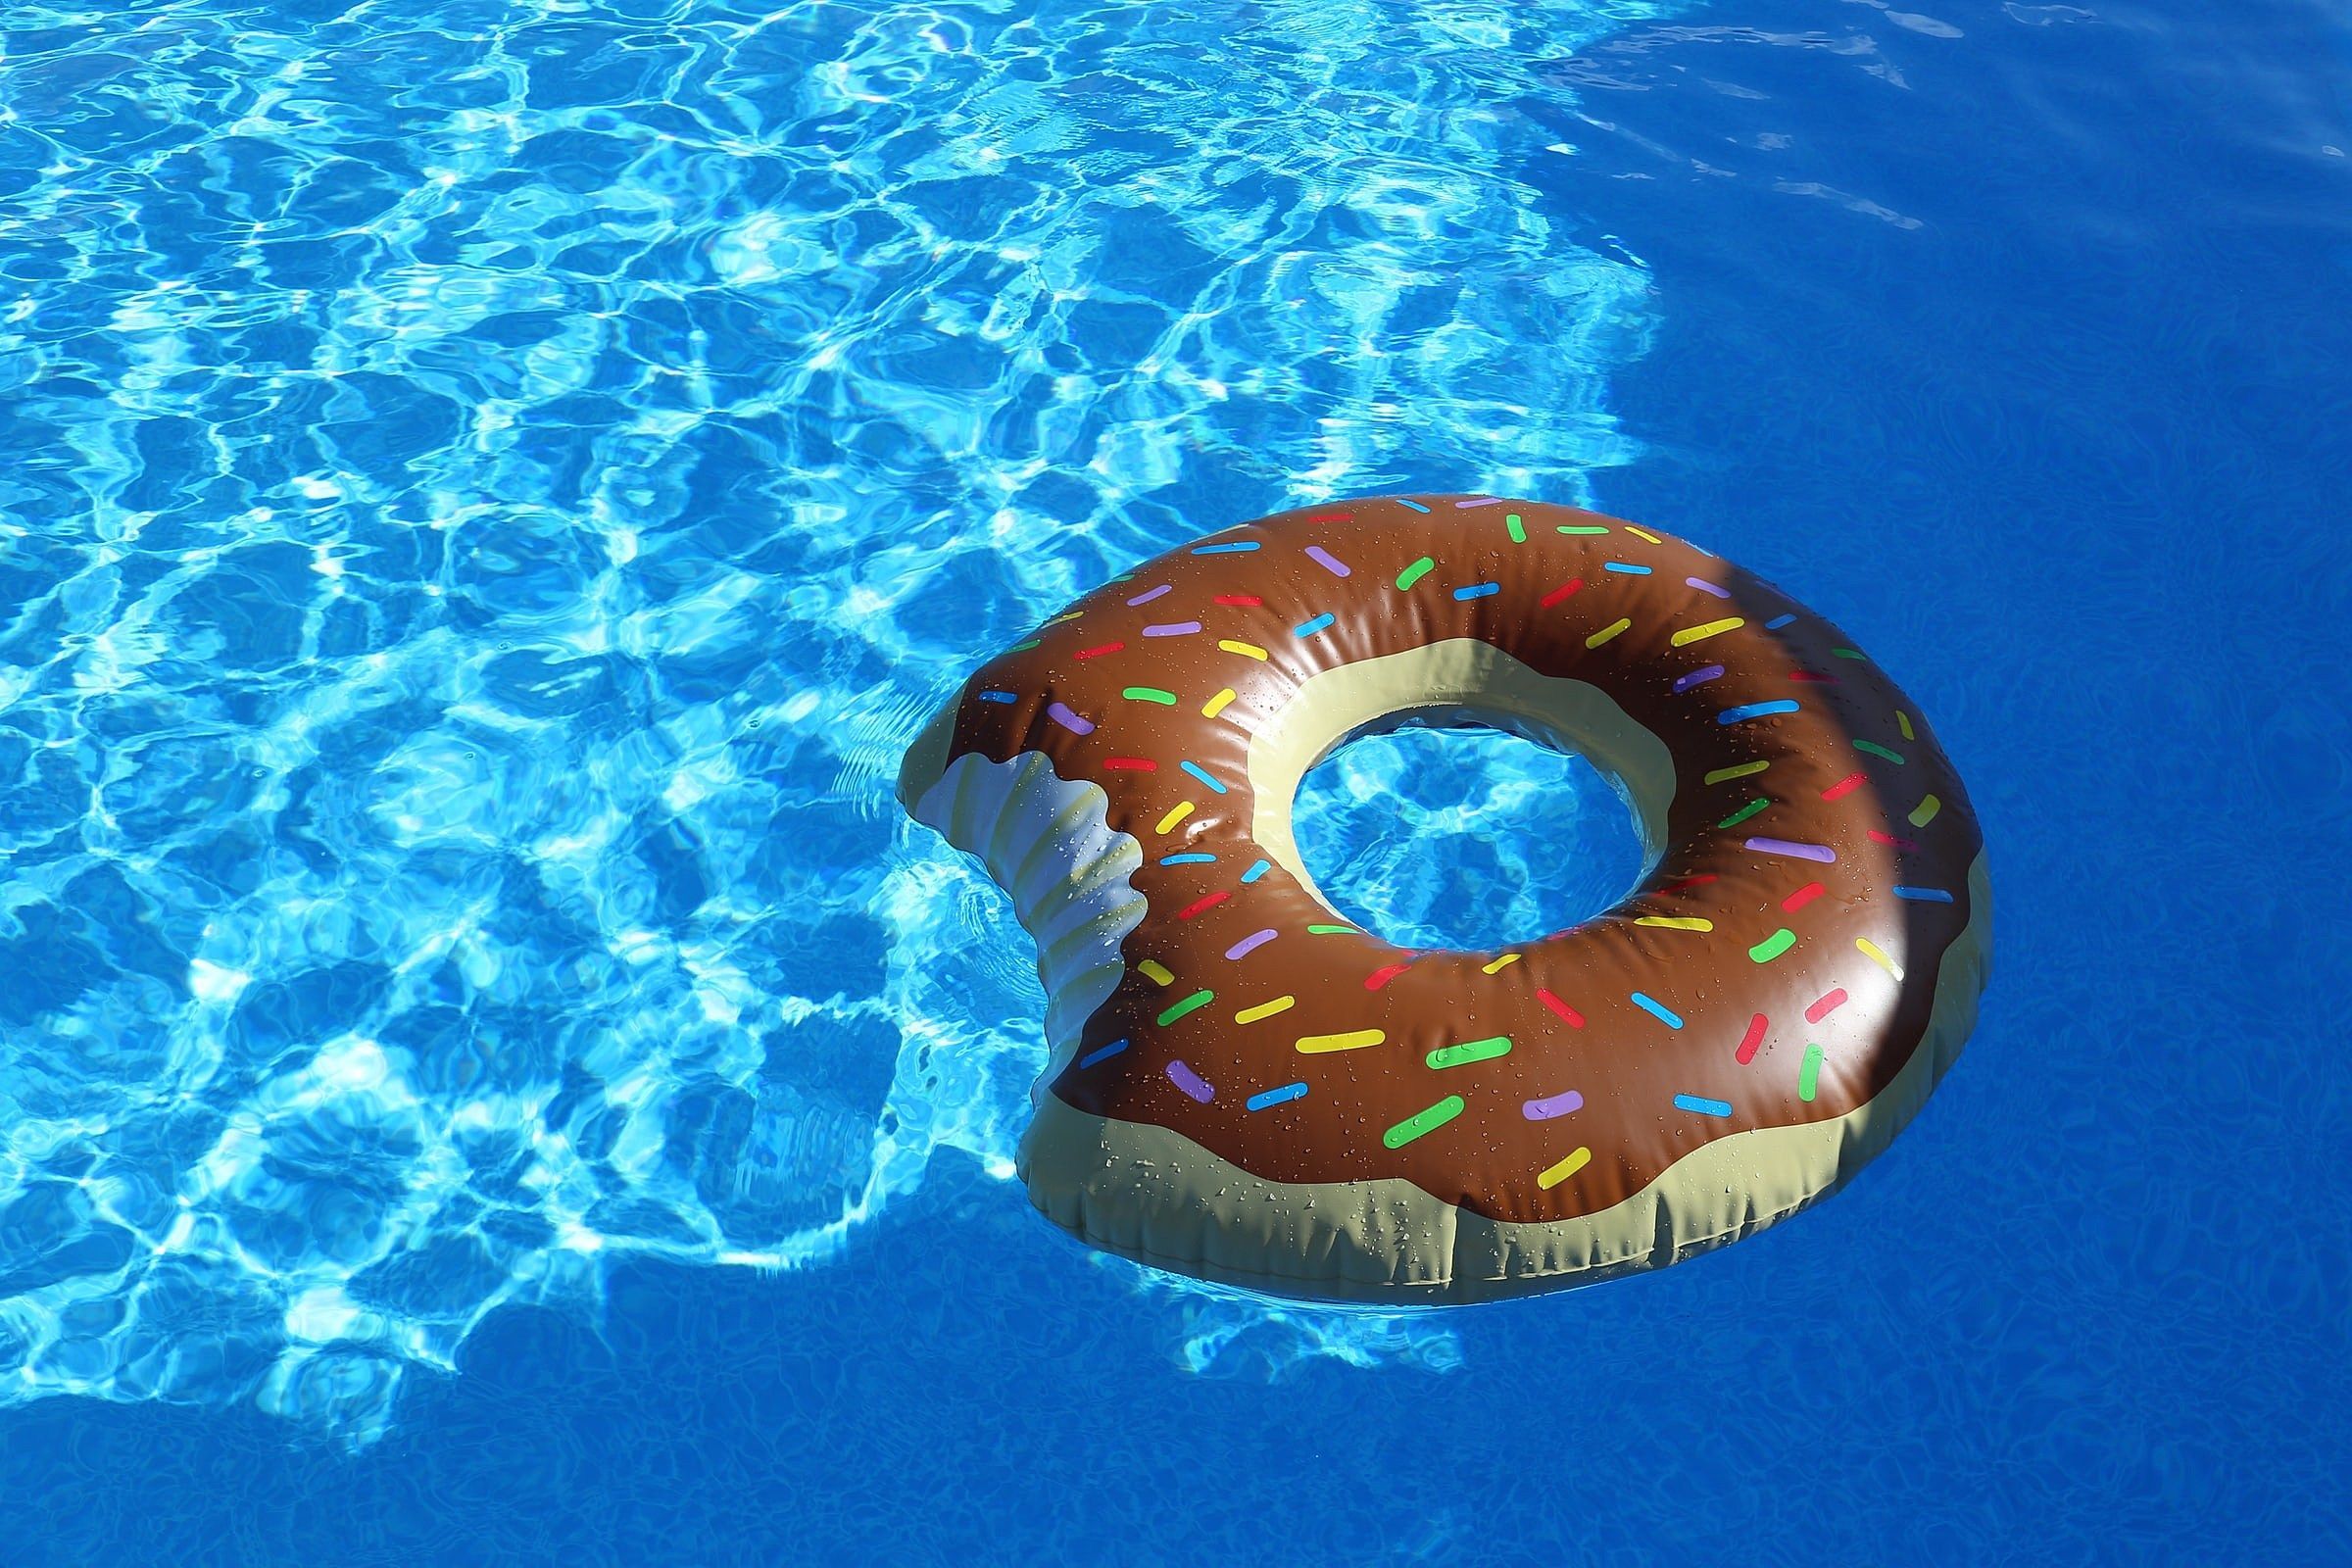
point(1157, 1197)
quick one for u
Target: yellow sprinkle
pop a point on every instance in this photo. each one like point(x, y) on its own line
point(1676, 922)
point(1878, 955)
point(1925, 811)
point(1741, 770)
point(1644, 533)
point(1692, 634)
point(1264, 1009)
point(1216, 704)
point(1565, 1169)
point(1606, 633)
point(1158, 973)
point(1182, 810)
point(1246, 650)
point(1902, 721)
point(1067, 616)
point(1354, 1039)
point(1508, 958)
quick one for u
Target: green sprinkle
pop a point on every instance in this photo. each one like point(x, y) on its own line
point(1150, 693)
point(1423, 1121)
point(1875, 749)
point(1743, 814)
point(1808, 1077)
point(1773, 945)
point(1518, 528)
point(1192, 1004)
point(1020, 648)
point(1415, 572)
point(1581, 527)
point(1846, 653)
point(1470, 1051)
point(1332, 930)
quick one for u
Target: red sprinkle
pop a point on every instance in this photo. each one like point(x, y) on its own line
point(1845, 786)
point(1749, 1041)
point(1825, 1005)
point(1878, 837)
point(1688, 882)
point(1381, 977)
point(1093, 653)
point(1803, 896)
point(1219, 896)
point(1818, 680)
point(1576, 1019)
point(1240, 599)
point(1561, 592)
point(1133, 765)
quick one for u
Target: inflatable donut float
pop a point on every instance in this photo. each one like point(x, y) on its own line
point(1248, 1087)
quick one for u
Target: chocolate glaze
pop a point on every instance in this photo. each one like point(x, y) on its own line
point(1627, 1064)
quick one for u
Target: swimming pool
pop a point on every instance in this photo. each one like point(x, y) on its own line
point(489, 1075)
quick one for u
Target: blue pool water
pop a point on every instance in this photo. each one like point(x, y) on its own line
point(487, 1073)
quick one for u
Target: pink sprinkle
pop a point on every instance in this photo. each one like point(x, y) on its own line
point(1706, 587)
point(1825, 1005)
point(1147, 598)
point(1069, 720)
point(1173, 628)
point(1251, 944)
point(1190, 1082)
point(1327, 560)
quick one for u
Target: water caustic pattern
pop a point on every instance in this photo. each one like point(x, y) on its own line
point(491, 489)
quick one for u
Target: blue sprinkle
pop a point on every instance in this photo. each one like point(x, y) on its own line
point(1309, 628)
point(1275, 1097)
point(1203, 774)
point(1777, 622)
point(1111, 1050)
point(1923, 895)
point(1704, 1106)
point(1619, 565)
point(1257, 870)
point(1415, 504)
point(1656, 1010)
point(1733, 716)
point(998, 696)
point(1478, 590)
point(1186, 859)
point(1237, 547)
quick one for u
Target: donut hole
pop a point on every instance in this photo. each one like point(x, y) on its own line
point(1465, 838)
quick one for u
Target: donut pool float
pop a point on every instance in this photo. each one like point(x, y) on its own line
point(1248, 1087)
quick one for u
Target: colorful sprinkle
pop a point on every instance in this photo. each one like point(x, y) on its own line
point(1149, 594)
point(1251, 944)
point(1207, 902)
point(1875, 749)
point(1327, 560)
point(1423, 1122)
point(1308, 628)
point(1736, 770)
point(1203, 774)
point(1518, 529)
point(1803, 852)
point(1172, 629)
point(1733, 716)
point(1130, 764)
point(1186, 859)
point(1333, 931)
point(1150, 693)
point(1381, 977)
point(1628, 567)
point(1176, 814)
point(1270, 1098)
point(1479, 501)
point(1246, 650)
point(1644, 533)
point(1478, 590)
point(1676, 922)
point(1237, 547)
point(1550, 1105)
point(1749, 1041)
point(1265, 1010)
point(1848, 653)
point(1702, 1106)
point(1564, 1169)
point(1777, 622)
point(1706, 587)
point(1803, 896)
point(1923, 895)
point(1572, 1019)
point(1190, 1082)
point(1657, 1009)
point(1902, 721)
point(1247, 600)
point(1607, 632)
point(1845, 786)
point(1808, 1077)
point(1098, 653)
point(1773, 945)
point(1192, 1004)
point(1216, 704)
point(1713, 628)
point(1743, 814)
point(1352, 1040)
point(1877, 837)
point(1877, 955)
point(1825, 1005)
point(1069, 720)
point(1101, 1052)
point(1699, 677)
point(1257, 870)
point(1499, 965)
point(1158, 973)
point(1561, 592)
point(1415, 572)
point(1925, 811)
point(1415, 504)
point(998, 696)
point(1470, 1051)
point(1582, 528)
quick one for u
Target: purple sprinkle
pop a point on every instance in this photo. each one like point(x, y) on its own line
point(1480, 501)
point(1190, 1082)
point(1699, 583)
point(1327, 560)
point(1173, 628)
point(1803, 852)
point(1145, 599)
point(1070, 721)
point(1251, 944)
point(1699, 677)
point(1559, 1105)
